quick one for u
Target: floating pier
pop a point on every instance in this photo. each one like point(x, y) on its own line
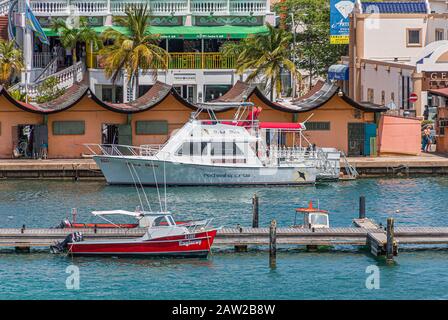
point(365, 232)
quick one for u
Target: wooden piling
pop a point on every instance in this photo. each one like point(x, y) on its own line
point(255, 211)
point(241, 248)
point(362, 207)
point(390, 240)
point(273, 244)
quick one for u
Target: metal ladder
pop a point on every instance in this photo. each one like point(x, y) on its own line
point(349, 169)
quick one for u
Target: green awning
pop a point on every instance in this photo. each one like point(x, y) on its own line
point(191, 32)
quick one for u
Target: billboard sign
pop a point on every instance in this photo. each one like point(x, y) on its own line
point(340, 21)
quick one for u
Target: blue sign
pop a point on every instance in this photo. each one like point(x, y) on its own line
point(340, 21)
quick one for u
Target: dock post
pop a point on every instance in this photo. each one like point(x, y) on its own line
point(255, 211)
point(362, 207)
point(273, 244)
point(390, 240)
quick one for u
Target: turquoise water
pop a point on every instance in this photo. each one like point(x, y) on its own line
point(338, 273)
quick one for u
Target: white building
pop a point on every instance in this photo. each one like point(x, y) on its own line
point(396, 48)
point(191, 30)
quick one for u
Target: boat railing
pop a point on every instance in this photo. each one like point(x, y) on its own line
point(120, 150)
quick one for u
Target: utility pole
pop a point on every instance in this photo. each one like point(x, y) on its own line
point(294, 55)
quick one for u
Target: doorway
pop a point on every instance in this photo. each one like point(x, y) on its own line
point(109, 134)
point(30, 141)
point(356, 139)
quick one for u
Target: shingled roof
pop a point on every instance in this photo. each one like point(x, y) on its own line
point(394, 7)
point(158, 92)
point(315, 98)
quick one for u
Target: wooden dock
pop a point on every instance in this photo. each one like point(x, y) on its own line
point(382, 241)
point(375, 238)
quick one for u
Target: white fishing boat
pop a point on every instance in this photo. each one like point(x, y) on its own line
point(241, 151)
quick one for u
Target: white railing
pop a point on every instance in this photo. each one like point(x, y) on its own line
point(4, 7)
point(248, 6)
point(157, 7)
point(50, 7)
point(96, 149)
point(209, 6)
point(41, 59)
point(65, 79)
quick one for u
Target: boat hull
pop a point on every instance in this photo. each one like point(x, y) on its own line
point(190, 245)
point(117, 170)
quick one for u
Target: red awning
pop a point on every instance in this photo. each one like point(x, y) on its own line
point(281, 125)
point(440, 92)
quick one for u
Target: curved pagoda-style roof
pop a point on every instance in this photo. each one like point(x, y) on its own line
point(315, 98)
point(158, 92)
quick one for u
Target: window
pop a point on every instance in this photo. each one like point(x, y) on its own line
point(317, 126)
point(215, 91)
point(192, 149)
point(151, 127)
point(383, 97)
point(440, 35)
point(225, 149)
point(392, 96)
point(68, 128)
point(414, 37)
point(370, 95)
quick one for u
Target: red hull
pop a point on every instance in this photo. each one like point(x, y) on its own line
point(197, 244)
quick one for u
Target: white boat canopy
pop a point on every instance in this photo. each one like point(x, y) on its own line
point(117, 212)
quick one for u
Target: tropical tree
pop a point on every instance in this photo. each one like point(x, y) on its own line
point(79, 33)
point(134, 49)
point(311, 19)
point(11, 61)
point(265, 55)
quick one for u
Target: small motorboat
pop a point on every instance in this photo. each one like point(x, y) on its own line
point(163, 237)
point(313, 218)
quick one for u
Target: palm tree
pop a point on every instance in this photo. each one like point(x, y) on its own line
point(11, 61)
point(134, 50)
point(70, 36)
point(265, 55)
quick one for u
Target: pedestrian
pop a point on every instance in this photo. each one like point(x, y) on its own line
point(425, 138)
point(68, 55)
point(430, 138)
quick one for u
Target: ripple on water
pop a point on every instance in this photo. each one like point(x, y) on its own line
point(326, 274)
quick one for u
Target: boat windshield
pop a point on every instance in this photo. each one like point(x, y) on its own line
point(161, 221)
point(318, 219)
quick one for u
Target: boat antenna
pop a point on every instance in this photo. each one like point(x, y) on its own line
point(311, 115)
point(136, 187)
point(164, 183)
point(143, 189)
point(157, 185)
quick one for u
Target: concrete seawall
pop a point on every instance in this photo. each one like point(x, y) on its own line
point(86, 169)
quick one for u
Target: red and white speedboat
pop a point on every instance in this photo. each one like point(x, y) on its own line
point(163, 237)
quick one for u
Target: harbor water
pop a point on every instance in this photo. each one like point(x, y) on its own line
point(334, 273)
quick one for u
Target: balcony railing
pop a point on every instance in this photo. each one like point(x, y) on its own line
point(157, 7)
point(185, 60)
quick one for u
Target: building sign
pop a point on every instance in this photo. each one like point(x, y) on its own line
point(92, 21)
point(435, 80)
point(340, 21)
point(167, 21)
point(232, 21)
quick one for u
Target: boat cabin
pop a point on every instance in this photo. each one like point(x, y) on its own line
point(312, 217)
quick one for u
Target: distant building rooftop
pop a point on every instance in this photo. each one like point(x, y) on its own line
point(394, 7)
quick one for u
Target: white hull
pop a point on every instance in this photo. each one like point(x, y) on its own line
point(117, 170)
